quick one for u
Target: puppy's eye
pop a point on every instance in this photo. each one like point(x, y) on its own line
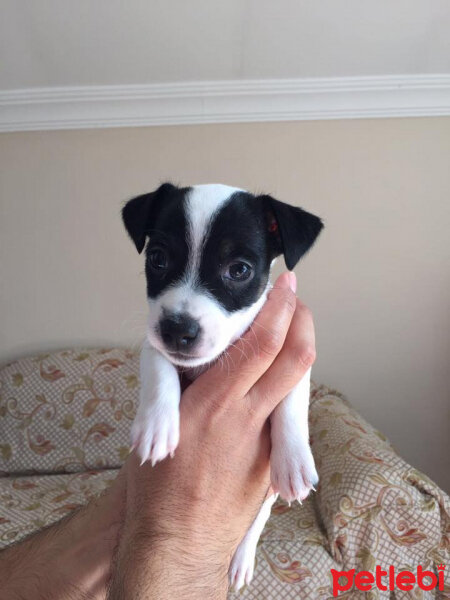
point(158, 259)
point(238, 271)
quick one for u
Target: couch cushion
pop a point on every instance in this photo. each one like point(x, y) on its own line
point(67, 411)
point(375, 508)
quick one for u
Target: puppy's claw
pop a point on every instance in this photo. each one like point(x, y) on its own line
point(293, 472)
point(155, 435)
point(240, 576)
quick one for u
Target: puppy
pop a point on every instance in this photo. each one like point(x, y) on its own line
point(208, 258)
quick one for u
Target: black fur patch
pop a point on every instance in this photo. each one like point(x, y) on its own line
point(168, 231)
point(297, 229)
point(160, 217)
point(238, 233)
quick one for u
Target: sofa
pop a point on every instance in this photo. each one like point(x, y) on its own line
point(64, 430)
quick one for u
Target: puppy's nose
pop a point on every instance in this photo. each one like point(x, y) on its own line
point(179, 332)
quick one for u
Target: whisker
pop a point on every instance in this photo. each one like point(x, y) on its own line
point(251, 346)
point(259, 325)
point(256, 337)
point(241, 350)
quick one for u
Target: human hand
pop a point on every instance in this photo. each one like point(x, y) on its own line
point(192, 511)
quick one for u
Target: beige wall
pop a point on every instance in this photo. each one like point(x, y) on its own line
point(378, 280)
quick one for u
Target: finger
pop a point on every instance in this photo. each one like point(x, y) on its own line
point(245, 361)
point(291, 364)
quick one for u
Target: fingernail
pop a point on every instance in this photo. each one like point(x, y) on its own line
point(283, 280)
point(292, 281)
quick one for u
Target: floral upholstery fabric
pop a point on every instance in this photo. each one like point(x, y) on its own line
point(67, 411)
point(28, 503)
point(68, 415)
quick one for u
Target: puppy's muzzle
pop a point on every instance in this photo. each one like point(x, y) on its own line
point(179, 332)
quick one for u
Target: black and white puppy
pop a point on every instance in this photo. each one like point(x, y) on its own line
point(208, 258)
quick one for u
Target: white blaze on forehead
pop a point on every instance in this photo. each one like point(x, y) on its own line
point(202, 202)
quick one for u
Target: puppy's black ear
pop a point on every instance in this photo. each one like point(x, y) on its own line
point(293, 230)
point(139, 213)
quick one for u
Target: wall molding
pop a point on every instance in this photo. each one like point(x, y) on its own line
point(224, 102)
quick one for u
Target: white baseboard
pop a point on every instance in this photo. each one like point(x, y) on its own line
point(224, 102)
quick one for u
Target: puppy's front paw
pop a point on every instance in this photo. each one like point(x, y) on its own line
point(292, 470)
point(155, 433)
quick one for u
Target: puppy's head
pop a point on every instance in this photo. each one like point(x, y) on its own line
point(208, 260)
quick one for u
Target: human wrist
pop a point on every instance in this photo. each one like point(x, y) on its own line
point(75, 554)
point(70, 558)
point(93, 534)
point(185, 533)
point(171, 566)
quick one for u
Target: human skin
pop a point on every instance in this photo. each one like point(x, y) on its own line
point(171, 530)
point(69, 560)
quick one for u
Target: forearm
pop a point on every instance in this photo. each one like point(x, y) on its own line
point(69, 560)
point(149, 568)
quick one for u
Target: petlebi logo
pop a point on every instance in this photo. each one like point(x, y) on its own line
point(388, 580)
